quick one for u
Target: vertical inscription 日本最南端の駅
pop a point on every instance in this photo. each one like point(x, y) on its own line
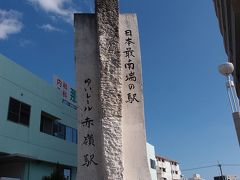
point(129, 64)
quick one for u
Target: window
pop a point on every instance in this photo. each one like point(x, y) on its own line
point(67, 174)
point(68, 134)
point(51, 126)
point(164, 169)
point(19, 112)
point(173, 163)
point(71, 134)
point(59, 130)
point(74, 136)
point(153, 164)
point(47, 123)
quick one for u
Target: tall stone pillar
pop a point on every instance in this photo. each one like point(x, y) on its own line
point(111, 131)
point(133, 122)
point(90, 146)
point(107, 16)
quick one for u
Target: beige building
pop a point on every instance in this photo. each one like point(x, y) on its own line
point(167, 169)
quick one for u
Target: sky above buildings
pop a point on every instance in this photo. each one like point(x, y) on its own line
point(188, 117)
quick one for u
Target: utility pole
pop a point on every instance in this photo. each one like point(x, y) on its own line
point(220, 167)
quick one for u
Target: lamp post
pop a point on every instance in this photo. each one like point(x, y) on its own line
point(227, 69)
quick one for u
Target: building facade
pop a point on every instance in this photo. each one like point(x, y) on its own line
point(167, 169)
point(152, 162)
point(195, 177)
point(37, 130)
point(228, 14)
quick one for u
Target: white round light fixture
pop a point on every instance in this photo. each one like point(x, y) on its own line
point(226, 69)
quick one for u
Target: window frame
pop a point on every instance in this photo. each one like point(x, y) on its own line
point(22, 113)
point(56, 128)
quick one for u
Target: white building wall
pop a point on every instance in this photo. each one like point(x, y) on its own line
point(151, 156)
point(231, 177)
point(167, 169)
point(196, 177)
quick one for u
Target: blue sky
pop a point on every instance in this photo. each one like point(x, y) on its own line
point(188, 117)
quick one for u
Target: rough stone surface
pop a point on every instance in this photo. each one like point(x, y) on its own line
point(107, 13)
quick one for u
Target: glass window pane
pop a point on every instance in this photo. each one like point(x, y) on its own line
point(153, 164)
point(14, 106)
point(67, 174)
point(61, 131)
point(74, 140)
point(19, 112)
point(13, 110)
point(24, 119)
point(25, 114)
point(55, 129)
point(13, 117)
point(68, 134)
point(48, 126)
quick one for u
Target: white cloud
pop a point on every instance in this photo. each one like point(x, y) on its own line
point(49, 28)
point(60, 8)
point(9, 23)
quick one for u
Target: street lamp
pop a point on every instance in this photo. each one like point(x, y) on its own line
point(227, 69)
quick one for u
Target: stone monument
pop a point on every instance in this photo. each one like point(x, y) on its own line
point(111, 130)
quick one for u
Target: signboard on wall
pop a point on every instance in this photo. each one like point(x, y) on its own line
point(69, 96)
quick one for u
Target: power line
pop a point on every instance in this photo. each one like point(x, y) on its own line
point(215, 165)
point(230, 164)
point(202, 167)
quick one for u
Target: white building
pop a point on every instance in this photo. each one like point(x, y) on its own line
point(196, 177)
point(152, 161)
point(167, 169)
